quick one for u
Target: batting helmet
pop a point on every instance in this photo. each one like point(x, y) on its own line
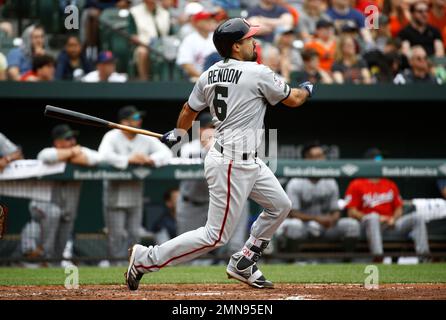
point(231, 31)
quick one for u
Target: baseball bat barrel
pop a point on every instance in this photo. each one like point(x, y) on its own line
point(73, 116)
point(82, 118)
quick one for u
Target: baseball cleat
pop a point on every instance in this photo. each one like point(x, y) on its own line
point(242, 269)
point(133, 276)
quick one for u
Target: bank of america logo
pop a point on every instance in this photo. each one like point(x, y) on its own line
point(141, 173)
point(442, 168)
point(349, 169)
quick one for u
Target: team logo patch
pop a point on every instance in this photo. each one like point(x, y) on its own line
point(142, 173)
point(278, 82)
point(442, 168)
point(349, 169)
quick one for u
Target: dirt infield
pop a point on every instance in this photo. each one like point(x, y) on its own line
point(226, 292)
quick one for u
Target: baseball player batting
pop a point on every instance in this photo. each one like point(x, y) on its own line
point(237, 90)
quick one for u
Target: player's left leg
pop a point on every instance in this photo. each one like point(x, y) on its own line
point(229, 185)
point(267, 192)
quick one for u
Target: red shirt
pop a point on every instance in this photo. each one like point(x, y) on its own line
point(382, 197)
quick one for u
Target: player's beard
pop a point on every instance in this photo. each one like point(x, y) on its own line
point(254, 54)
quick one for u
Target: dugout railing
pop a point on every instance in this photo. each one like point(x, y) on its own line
point(26, 181)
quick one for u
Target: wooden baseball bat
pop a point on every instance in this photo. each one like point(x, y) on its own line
point(82, 118)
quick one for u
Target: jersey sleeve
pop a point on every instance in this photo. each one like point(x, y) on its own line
point(353, 195)
point(197, 100)
point(272, 86)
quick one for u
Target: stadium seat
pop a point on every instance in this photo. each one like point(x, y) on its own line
point(20, 9)
point(111, 23)
point(50, 16)
point(6, 43)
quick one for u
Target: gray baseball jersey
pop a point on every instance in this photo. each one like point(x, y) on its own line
point(238, 94)
point(319, 197)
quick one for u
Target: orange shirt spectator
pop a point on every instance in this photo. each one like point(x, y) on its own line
point(444, 36)
point(397, 24)
point(398, 13)
point(326, 52)
point(324, 44)
point(437, 14)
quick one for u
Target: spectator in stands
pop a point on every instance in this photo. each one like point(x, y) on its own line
point(437, 14)
point(105, 70)
point(290, 57)
point(315, 212)
point(324, 43)
point(312, 12)
point(341, 12)
point(123, 200)
point(8, 152)
point(20, 59)
point(7, 28)
point(56, 217)
point(43, 69)
point(197, 46)
point(349, 67)
point(184, 19)
point(165, 227)
point(148, 21)
point(419, 32)
point(271, 17)
point(419, 71)
point(398, 13)
point(384, 60)
point(211, 59)
point(90, 22)
point(312, 71)
point(377, 204)
point(441, 183)
point(3, 67)
point(271, 59)
point(382, 35)
point(72, 63)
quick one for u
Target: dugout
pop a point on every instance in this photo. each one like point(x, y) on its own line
point(404, 121)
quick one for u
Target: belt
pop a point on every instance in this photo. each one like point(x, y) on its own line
point(245, 155)
point(193, 202)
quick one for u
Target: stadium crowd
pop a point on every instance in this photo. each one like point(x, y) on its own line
point(326, 41)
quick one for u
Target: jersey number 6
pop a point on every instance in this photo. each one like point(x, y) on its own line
point(220, 105)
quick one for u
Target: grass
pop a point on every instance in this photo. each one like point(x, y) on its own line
point(322, 273)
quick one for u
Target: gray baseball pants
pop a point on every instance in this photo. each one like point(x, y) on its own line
point(231, 183)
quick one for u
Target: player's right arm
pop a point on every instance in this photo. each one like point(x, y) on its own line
point(189, 112)
point(186, 117)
